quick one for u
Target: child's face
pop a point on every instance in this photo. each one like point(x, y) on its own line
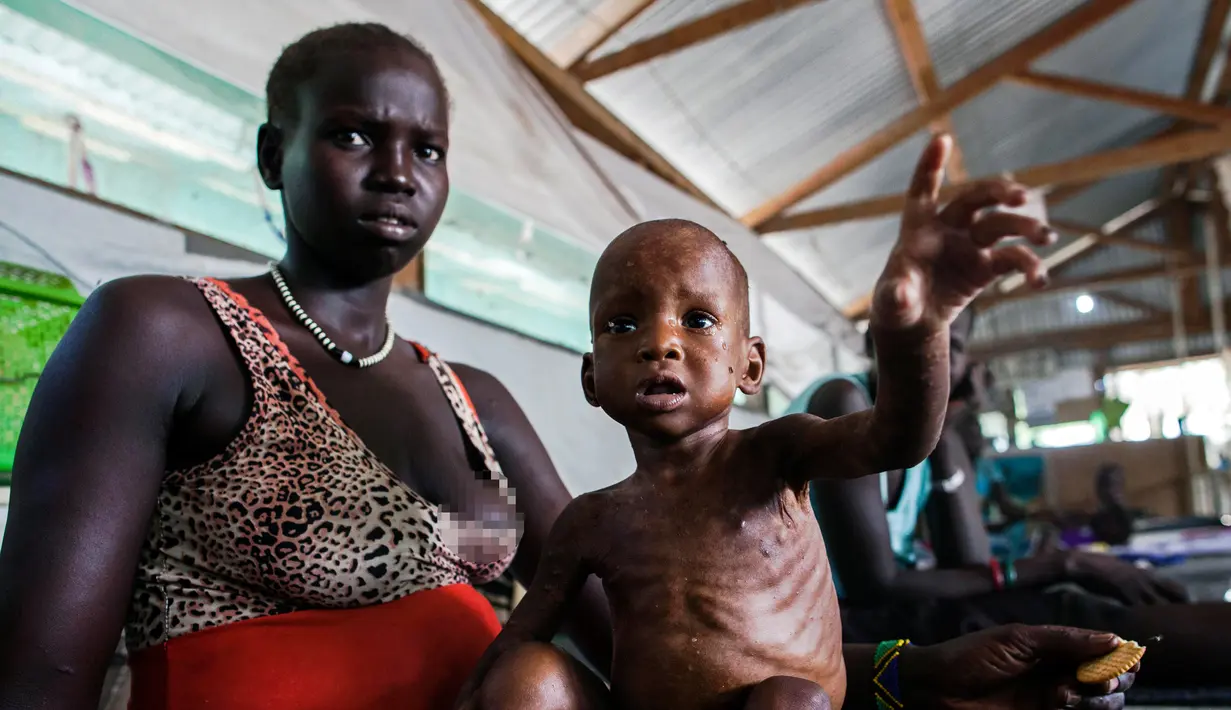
point(362, 173)
point(670, 343)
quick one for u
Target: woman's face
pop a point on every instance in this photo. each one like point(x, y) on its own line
point(362, 172)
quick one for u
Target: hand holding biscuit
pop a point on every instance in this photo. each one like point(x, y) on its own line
point(1014, 667)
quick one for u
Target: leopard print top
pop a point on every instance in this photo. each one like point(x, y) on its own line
point(296, 512)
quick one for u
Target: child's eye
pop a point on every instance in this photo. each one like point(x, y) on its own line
point(351, 139)
point(431, 154)
point(621, 325)
point(698, 320)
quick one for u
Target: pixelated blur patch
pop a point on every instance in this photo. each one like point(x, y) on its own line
point(487, 527)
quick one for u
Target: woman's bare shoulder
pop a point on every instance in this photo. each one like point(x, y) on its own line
point(147, 319)
point(157, 301)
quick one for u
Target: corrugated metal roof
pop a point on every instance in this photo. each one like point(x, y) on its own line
point(660, 15)
point(1155, 292)
point(1110, 198)
point(1048, 127)
point(963, 35)
point(545, 22)
point(1112, 258)
point(750, 113)
point(1160, 64)
point(1153, 351)
point(1047, 313)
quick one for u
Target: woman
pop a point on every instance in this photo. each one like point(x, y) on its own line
point(211, 439)
point(882, 591)
point(269, 493)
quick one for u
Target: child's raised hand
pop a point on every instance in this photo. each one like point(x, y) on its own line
point(945, 256)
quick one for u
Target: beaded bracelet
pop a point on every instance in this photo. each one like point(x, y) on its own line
point(885, 684)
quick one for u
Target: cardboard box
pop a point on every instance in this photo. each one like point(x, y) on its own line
point(1158, 474)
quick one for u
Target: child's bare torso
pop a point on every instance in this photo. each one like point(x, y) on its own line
point(715, 584)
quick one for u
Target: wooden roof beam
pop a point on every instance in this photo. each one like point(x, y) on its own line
point(1098, 337)
point(583, 109)
point(1117, 239)
point(1075, 23)
point(1064, 193)
point(1079, 338)
point(1216, 14)
point(696, 31)
point(918, 60)
point(1112, 228)
point(1123, 300)
point(1090, 237)
point(1193, 145)
point(859, 308)
point(1207, 47)
point(1180, 108)
point(1094, 283)
point(1180, 235)
point(600, 24)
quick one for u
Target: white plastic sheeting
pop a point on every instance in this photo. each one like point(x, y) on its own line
point(510, 143)
point(94, 244)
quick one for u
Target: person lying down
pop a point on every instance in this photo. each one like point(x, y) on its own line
point(712, 562)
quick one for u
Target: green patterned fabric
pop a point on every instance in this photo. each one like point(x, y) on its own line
point(36, 308)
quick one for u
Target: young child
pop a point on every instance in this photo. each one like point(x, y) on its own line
point(711, 558)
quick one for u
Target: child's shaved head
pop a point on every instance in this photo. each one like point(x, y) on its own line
point(679, 238)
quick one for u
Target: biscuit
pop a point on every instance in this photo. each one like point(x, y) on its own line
point(1105, 668)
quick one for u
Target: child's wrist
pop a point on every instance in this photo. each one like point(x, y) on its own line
point(921, 333)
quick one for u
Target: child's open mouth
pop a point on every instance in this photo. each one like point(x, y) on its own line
point(662, 392)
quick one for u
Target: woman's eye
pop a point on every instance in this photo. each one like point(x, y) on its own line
point(618, 326)
point(351, 139)
point(431, 154)
point(699, 321)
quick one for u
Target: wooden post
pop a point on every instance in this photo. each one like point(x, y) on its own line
point(411, 278)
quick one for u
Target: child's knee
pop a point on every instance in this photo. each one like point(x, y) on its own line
point(534, 675)
point(787, 693)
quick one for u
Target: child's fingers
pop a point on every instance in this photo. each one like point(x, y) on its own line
point(1019, 258)
point(991, 228)
point(930, 170)
point(962, 211)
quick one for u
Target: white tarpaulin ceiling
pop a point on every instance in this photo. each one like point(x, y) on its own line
point(510, 142)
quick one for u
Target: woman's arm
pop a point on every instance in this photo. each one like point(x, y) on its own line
point(541, 497)
point(852, 511)
point(86, 478)
point(1004, 668)
point(955, 521)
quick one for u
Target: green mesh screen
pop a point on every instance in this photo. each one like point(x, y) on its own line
point(35, 310)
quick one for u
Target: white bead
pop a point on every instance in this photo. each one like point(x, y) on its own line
point(345, 357)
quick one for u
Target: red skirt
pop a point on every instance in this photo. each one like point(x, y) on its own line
point(412, 654)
